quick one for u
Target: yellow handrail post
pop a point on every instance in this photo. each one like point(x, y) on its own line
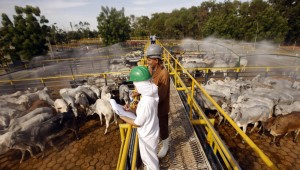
point(190, 96)
point(122, 163)
point(135, 150)
point(168, 62)
point(175, 72)
point(122, 134)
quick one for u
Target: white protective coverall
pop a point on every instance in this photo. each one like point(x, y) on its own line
point(148, 121)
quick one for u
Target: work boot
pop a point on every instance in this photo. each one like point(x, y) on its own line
point(163, 151)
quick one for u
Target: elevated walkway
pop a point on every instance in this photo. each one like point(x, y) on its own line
point(185, 151)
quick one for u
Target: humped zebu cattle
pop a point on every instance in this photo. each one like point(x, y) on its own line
point(4, 121)
point(70, 94)
point(296, 85)
point(39, 103)
point(103, 107)
point(18, 121)
point(25, 100)
point(40, 134)
point(124, 94)
point(23, 123)
point(190, 67)
point(32, 121)
point(243, 64)
point(60, 105)
point(4, 142)
point(286, 109)
point(279, 126)
point(246, 115)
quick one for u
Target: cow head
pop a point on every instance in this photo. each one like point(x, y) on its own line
point(90, 110)
point(278, 110)
point(81, 100)
point(4, 121)
point(269, 123)
point(235, 111)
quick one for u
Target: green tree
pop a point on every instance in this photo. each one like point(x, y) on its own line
point(140, 26)
point(26, 35)
point(290, 10)
point(6, 37)
point(113, 26)
point(252, 21)
point(3, 60)
point(264, 22)
point(157, 24)
point(30, 32)
point(203, 13)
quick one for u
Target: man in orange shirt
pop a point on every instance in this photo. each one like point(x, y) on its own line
point(160, 77)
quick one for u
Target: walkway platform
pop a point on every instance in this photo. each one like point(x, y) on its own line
point(185, 150)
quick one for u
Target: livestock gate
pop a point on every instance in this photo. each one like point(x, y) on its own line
point(196, 141)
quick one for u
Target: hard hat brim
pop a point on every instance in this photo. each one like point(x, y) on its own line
point(154, 56)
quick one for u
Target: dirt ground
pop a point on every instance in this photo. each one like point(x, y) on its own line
point(285, 157)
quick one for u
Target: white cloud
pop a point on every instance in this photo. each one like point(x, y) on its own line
point(142, 2)
point(63, 4)
point(63, 12)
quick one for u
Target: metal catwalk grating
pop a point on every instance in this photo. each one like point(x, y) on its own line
point(185, 150)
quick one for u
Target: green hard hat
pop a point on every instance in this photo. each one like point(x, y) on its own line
point(139, 73)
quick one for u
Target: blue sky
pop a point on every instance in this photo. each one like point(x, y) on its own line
point(63, 12)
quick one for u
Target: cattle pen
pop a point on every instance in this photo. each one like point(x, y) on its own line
point(197, 142)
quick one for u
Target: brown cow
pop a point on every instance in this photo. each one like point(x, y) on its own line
point(38, 104)
point(281, 125)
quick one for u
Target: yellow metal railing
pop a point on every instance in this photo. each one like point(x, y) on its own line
point(144, 38)
point(42, 79)
point(238, 69)
point(74, 59)
point(175, 68)
point(126, 134)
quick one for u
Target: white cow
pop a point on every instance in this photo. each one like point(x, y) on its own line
point(103, 107)
point(60, 105)
point(245, 116)
point(219, 66)
point(124, 93)
point(296, 85)
point(286, 109)
point(28, 116)
point(243, 64)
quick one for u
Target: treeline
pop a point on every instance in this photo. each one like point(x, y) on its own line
point(77, 32)
point(29, 33)
point(275, 20)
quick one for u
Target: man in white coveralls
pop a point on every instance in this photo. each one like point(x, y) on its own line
point(146, 120)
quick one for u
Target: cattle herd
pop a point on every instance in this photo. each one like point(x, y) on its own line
point(31, 119)
point(216, 61)
point(273, 103)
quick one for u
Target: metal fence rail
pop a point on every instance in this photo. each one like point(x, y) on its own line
point(54, 83)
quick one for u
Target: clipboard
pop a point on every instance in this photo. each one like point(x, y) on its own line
point(120, 111)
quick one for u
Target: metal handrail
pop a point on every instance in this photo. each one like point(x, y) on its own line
point(216, 140)
point(239, 68)
point(64, 76)
point(126, 133)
